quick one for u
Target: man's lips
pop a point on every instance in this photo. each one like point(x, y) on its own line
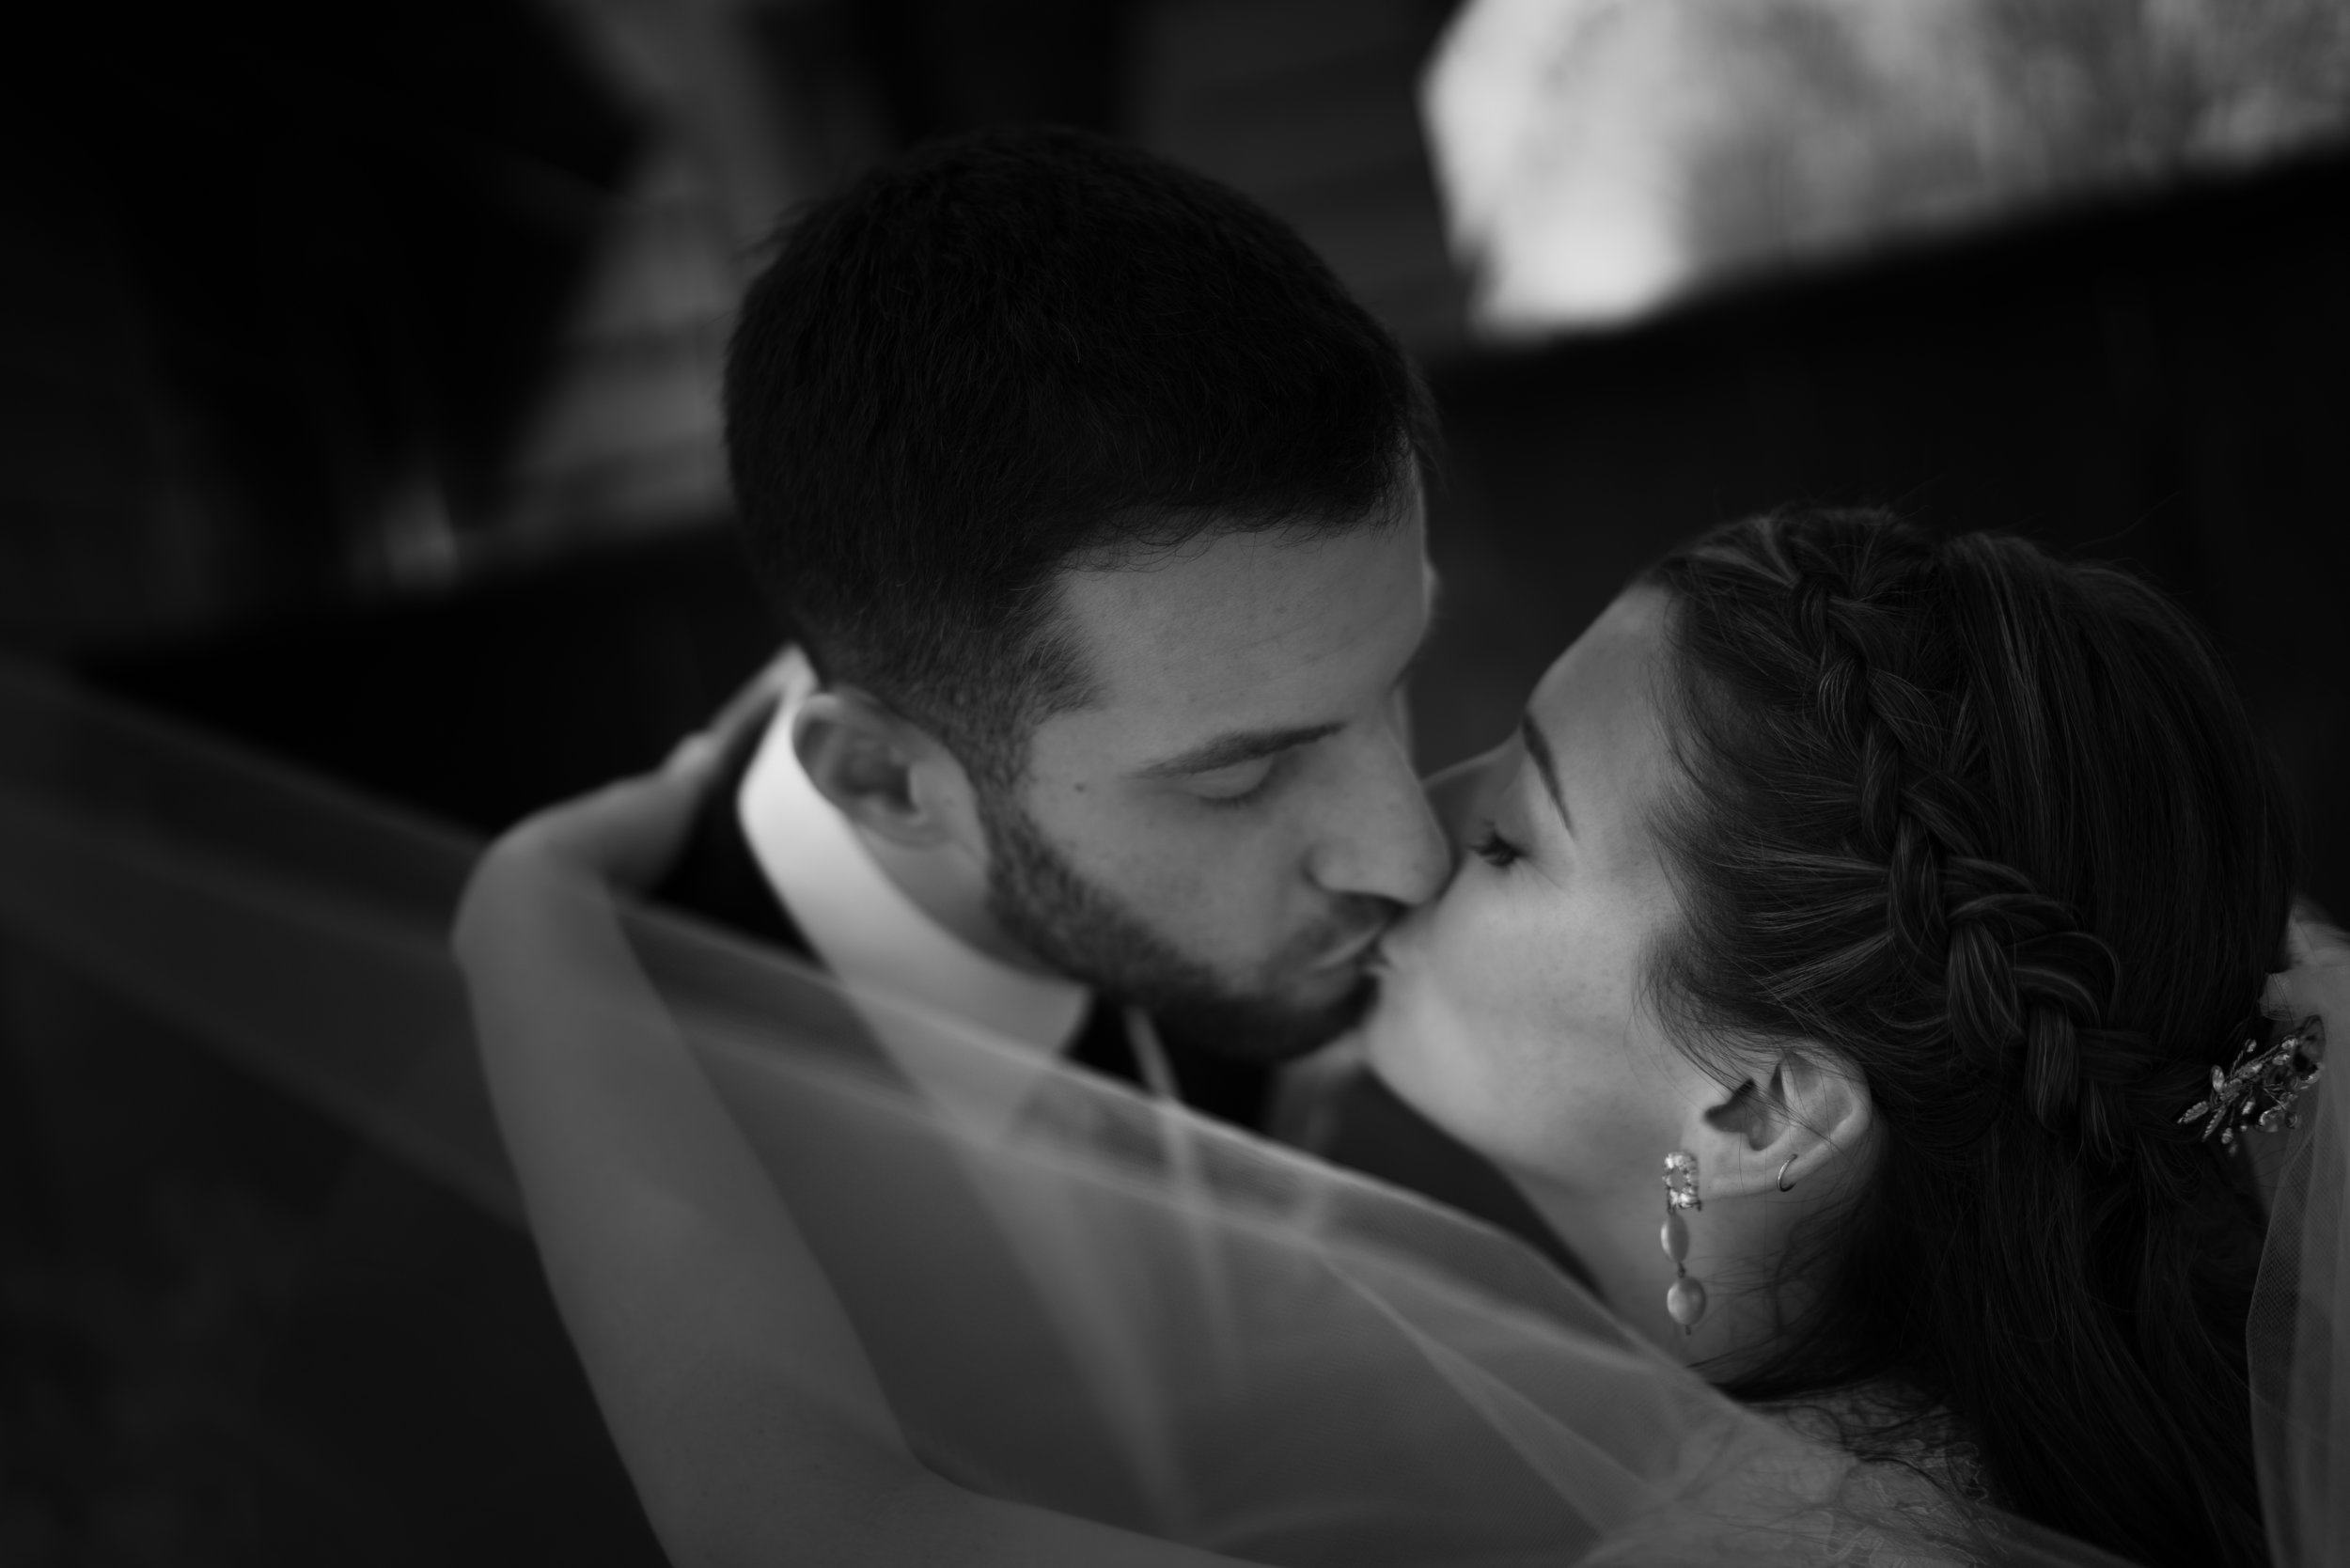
point(1348, 949)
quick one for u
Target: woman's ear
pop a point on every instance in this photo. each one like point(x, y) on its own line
point(1808, 1119)
point(881, 771)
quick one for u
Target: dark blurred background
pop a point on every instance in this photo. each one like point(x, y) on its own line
point(359, 391)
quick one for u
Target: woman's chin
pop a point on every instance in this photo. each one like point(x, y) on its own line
point(1416, 1052)
point(1394, 1048)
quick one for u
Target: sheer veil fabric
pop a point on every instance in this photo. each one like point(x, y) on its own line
point(1101, 1306)
point(2300, 1376)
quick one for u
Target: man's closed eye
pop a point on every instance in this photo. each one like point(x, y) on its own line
point(1241, 784)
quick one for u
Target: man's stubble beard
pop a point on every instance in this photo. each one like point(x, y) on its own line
point(1041, 901)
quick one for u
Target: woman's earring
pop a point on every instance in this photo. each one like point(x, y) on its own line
point(1686, 1300)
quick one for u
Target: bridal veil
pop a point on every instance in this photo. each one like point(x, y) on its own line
point(1070, 1294)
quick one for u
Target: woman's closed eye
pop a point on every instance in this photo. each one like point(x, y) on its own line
point(1493, 849)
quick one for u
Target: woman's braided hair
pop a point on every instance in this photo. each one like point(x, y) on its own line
point(1994, 831)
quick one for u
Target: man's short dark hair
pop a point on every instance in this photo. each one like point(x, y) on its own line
point(1006, 353)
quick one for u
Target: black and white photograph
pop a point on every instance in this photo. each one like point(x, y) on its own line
point(1157, 783)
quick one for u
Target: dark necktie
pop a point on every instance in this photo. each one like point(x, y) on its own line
point(1100, 1045)
point(1210, 1081)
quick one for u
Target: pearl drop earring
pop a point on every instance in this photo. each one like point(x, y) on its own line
point(1685, 1298)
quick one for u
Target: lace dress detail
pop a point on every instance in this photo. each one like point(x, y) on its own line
point(1906, 1501)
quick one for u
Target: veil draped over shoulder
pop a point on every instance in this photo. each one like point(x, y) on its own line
point(1071, 1296)
point(2300, 1374)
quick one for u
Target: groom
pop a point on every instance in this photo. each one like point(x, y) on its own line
point(1092, 503)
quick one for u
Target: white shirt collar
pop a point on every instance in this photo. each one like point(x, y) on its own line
point(869, 934)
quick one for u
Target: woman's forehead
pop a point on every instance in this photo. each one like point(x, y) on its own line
point(1597, 707)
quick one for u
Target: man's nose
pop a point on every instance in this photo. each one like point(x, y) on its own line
point(1385, 842)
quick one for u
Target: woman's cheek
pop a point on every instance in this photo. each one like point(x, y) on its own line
point(1544, 1048)
point(1434, 1049)
point(1480, 1069)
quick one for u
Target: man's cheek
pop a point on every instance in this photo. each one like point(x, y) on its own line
point(1196, 863)
point(1222, 917)
point(1113, 844)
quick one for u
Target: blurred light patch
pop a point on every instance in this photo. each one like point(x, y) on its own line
point(1601, 158)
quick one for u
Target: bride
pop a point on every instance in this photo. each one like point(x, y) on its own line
point(1870, 955)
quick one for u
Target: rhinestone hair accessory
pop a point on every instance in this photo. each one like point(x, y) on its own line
point(2258, 1089)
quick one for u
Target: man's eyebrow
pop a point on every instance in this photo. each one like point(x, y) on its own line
point(1231, 750)
point(1539, 748)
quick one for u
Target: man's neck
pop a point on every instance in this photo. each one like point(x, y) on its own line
point(943, 884)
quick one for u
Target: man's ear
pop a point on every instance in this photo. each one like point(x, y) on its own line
point(881, 771)
point(1807, 1117)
